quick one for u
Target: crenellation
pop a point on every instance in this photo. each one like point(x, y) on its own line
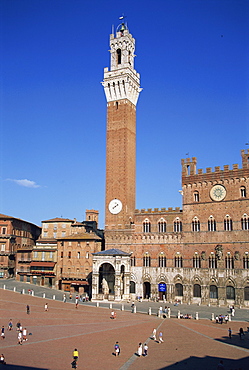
point(157, 210)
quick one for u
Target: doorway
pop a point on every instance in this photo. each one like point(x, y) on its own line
point(146, 289)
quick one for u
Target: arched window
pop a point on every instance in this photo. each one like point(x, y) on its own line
point(243, 192)
point(78, 255)
point(177, 225)
point(229, 261)
point(133, 261)
point(246, 293)
point(146, 260)
point(69, 254)
point(230, 292)
point(196, 261)
point(162, 226)
point(213, 292)
point(197, 290)
point(178, 260)
point(179, 290)
point(146, 226)
point(245, 222)
point(119, 56)
point(195, 224)
point(196, 196)
point(132, 287)
point(211, 224)
point(212, 261)
point(228, 223)
point(246, 261)
point(162, 260)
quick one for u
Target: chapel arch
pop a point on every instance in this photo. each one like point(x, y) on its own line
point(106, 279)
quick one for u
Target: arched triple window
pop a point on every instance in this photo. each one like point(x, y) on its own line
point(195, 224)
point(246, 261)
point(212, 261)
point(197, 290)
point(230, 292)
point(196, 261)
point(162, 226)
point(245, 222)
point(229, 261)
point(146, 260)
point(178, 260)
point(213, 292)
point(146, 226)
point(179, 290)
point(243, 192)
point(228, 223)
point(211, 224)
point(177, 225)
point(162, 260)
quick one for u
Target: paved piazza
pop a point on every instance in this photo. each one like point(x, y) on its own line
point(188, 344)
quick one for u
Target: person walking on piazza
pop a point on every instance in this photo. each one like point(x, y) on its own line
point(64, 298)
point(28, 309)
point(230, 333)
point(154, 334)
point(161, 337)
point(2, 332)
point(146, 349)
point(18, 325)
point(116, 349)
point(46, 307)
point(241, 332)
point(226, 318)
point(75, 358)
point(19, 337)
point(140, 349)
point(10, 326)
point(24, 335)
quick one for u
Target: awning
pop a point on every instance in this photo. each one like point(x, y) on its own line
point(43, 264)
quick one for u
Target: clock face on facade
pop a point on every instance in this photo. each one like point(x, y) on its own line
point(115, 206)
point(218, 193)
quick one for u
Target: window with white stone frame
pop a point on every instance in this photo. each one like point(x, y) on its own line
point(245, 222)
point(146, 226)
point(195, 224)
point(211, 223)
point(228, 223)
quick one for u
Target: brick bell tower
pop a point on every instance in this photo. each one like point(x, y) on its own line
point(122, 87)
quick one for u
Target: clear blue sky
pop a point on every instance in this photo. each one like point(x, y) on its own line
point(193, 59)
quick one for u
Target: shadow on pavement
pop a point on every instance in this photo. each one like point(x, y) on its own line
point(17, 367)
point(208, 362)
point(236, 341)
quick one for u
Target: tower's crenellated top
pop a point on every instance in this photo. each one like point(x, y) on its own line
point(189, 167)
point(122, 81)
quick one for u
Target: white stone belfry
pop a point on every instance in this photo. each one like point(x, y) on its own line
point(122, 81)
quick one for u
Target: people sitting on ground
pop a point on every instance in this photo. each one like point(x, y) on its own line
point(2, 359)
point(185, 316)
